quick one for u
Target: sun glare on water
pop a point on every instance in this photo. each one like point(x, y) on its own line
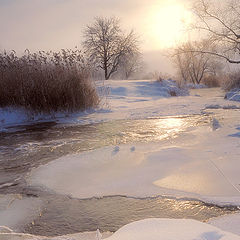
point(166, 23)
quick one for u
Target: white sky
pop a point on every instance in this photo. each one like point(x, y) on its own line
point(56, 24)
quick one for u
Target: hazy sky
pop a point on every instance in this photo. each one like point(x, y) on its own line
point(55, 24)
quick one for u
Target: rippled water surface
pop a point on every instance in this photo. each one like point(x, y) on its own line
point(31, 146)
point(63, 215)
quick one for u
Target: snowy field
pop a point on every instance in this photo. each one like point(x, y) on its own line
point(202, 163)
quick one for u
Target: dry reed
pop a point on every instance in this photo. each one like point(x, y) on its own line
point(46, 81)
point(231, 81)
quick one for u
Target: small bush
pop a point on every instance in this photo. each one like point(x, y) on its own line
point(46, 81)
point(211, 81)
point(231, 81)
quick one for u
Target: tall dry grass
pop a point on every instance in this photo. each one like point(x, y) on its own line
point(46, 81)
point(212, 81)
point(231, 81)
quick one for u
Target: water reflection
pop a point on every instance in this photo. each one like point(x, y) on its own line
point(172, 126)
point(38, 144)
point(35, 145)
point(171, 123)
point(63, 215)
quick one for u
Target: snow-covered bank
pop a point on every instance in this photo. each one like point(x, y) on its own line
point(233, 95)
point(196, 86)
point(132, 91)
point(143, 90)
point(11, 117)
point(127, 99)
point(14, 117)
point(148, 229)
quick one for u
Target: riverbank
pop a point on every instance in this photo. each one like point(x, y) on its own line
point(133, 91)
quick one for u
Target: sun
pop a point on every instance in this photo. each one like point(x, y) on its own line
point(166, 23)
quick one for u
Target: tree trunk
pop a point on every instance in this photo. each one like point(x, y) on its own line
point(106, 70)
point(106, 74)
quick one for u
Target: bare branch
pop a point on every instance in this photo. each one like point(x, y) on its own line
point(106, 44)
point(222, 23)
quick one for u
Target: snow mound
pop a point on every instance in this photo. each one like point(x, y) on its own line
point(195, 86)
point(171, 87)
point(145, 88)
point(213, 106)
point(233, 95)
point(229, 223)
point(171, 229)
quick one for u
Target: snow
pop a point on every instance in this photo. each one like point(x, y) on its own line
point(215, 124)
point(195, 86)
point(169, 229)
point(11, 116)
point(149, 229)
point(216, 106)
point(233, 95)
point(4, 229)
point(229, 223)
point(145, 88)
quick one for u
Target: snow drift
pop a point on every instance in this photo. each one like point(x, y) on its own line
point(145, 88)
point(233, 95)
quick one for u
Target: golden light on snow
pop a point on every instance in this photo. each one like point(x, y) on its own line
point(172, 127)
point(176, 123)
point(171, 124)
point(166, 23)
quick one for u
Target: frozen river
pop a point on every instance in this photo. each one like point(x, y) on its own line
point(23, 148)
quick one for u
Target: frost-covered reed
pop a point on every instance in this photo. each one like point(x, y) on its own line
point(46, 81)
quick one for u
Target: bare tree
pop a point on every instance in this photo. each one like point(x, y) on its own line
point(131, 64)
point(221, 21)
point(193, 66)
point(106, 44)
